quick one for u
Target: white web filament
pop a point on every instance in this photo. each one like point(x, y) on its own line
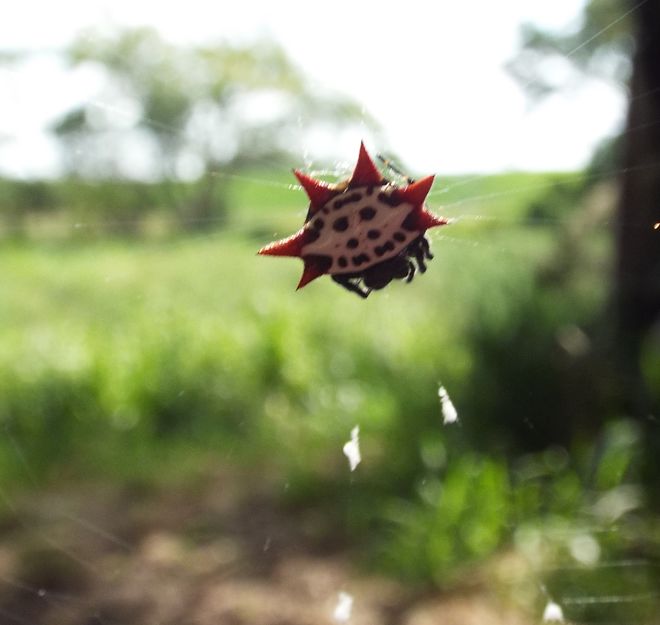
point(352, 449)
point(343, 609)
point(449, 413)
point(553, 613)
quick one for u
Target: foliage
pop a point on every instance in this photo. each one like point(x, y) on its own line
point(600, 45)
point(170, 114)
point(198, 107)
point(463, 517)
point(559, 200)
point(20, 198)
point(603, 45)
point(90, 209)
point(132, 361)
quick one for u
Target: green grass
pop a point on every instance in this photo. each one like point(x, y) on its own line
point(201, 338)
point(145, 344)
point(142, 316)
point(154, 360)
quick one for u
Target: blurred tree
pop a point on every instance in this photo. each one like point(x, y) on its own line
point(166, 112)
point(637, 275)
point(599, 46)
point(21, 199)
point(620, 40)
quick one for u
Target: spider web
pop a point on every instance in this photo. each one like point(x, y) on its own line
point(578, 544)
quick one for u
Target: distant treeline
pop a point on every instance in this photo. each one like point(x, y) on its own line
point(87, 208)
point(81, 208)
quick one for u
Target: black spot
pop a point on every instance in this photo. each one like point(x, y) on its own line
point(409, 223)
point(325, 210)
point(399, 236)
point(340, 224)
point(318, 223)
point(312, 235)
point(367, 213)
point(360, 259)
point(352, 243)
point(388, 246)
point(373, 234)
point(348, 199)
point(342, 262)
point(391, 199)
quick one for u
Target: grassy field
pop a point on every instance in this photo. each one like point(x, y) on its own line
point(174, 337)
point(154, 361)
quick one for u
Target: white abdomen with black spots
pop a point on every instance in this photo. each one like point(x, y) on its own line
point(356, 230)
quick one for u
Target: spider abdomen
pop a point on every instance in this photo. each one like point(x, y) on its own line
point(361, 230)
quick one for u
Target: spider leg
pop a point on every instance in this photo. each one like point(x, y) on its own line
point(419, 257)
point(421, 250)
point(354, 287)
point(390, 165)
point(424, 242)
point(411, 271)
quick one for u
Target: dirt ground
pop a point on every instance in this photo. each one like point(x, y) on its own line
point(212, 554)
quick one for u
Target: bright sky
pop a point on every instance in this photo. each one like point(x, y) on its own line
point(431, 73)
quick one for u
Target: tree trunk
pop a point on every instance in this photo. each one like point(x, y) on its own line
point(637, 278)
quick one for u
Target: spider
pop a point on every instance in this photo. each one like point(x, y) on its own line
point(365, 231)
